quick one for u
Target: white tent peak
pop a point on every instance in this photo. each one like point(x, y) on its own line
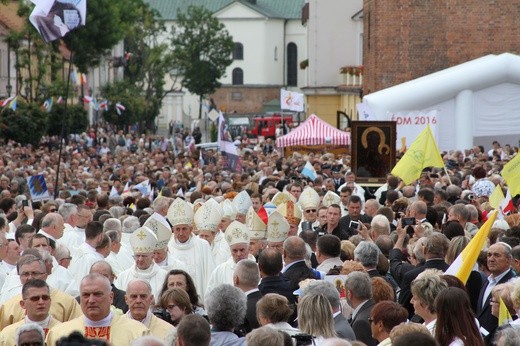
point(461, 84)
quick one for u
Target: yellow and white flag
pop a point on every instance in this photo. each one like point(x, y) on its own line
point(503, 314)
point(422, 153)
point(465, 261)
point(496, 197)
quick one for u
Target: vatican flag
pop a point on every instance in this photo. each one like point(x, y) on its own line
point(422, 153)
point(465, 261)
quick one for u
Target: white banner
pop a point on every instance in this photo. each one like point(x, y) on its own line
point(365, 113)
point(54, 19)
point(290, 100)
point(410, 124)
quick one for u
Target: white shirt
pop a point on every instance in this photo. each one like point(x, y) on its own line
point(196, 254)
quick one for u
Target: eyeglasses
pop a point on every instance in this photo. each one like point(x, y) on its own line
point(170, 307)
point(370, 320)
point(37, 298)
point(308, 211)
point(33, 274)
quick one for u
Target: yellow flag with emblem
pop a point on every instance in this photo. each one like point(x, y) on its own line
point(422, 153)
point(511, 173)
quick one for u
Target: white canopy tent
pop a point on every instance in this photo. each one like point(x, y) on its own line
point(480, 98)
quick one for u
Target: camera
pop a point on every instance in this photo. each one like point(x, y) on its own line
point(408, 221)
point(354, 224)
point(306, 226)
point(471, 196)
point(25, 203)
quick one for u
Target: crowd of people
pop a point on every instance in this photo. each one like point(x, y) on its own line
point(265, 256)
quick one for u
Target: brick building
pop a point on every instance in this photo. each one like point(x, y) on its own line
point(407, 39)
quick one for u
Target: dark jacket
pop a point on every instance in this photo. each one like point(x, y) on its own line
point(361, 325)
point(297, 272)
point(484, 316)
point(344, 223)
point(406, 294)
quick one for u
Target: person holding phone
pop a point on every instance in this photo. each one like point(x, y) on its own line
point(350, 223)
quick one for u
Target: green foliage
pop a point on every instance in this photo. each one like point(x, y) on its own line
point(77, 119)
point(107, 23)
point(26, 125)
point(202, 48)
point(149, 61)
point(129, 96)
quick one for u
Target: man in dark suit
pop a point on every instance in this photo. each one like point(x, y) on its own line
point(332, 226)
point(359, 296)
point(296, 269)
point(270, 264)
point(327, 289)
point(435, 248)
point(354, 214)
point(246, 277)
point(499, 259)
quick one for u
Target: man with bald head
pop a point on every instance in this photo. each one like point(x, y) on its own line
point(296, 270)
point(53, 227)
point(104, 268)
point(98, 322)
point(139, 298)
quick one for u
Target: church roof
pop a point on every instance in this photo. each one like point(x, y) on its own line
point(285, 9)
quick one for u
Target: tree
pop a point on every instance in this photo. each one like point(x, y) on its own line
point(26, 125)
point(130, 97)
point(77, 119)
point(202, 49)
point(147, 62)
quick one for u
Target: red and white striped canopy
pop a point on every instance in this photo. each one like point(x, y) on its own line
point(314, 131)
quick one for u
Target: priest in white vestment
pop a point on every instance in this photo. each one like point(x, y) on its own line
point(143, 242)
point(257, 224)
point(86, 255)
point(161, 255)
point(208, 219)
point(242, 202)
point(310, 203)
point(75, 236)
point(187, 247)
point(237, 236)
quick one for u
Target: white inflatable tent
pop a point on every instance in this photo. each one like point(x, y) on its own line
point(477, 101)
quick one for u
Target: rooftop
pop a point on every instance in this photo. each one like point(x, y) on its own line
point(285, 9)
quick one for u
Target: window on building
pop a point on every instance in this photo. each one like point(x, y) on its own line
point(238, 51)
point(292, 64)
point(238, 76)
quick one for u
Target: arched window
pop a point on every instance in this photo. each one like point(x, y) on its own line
point(238, 76)
point(238, 51)
point(292, 64)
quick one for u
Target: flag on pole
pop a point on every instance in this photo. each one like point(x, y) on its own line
point(113, 192)
point(126, 189)
point(13, 103)
point(119, 108)
point(103, 105)
point(7, 101)
point(47, 105)
point(143, 187)
point(201, 159)
point(422, 153)
point(506, 207)
point(511, 173)
point(54, 19)
point(496, 197)
point(503, 313)
point(87, 99)
point(60, 100)
point(291, 100)
point(465, 261)
point(309, 171)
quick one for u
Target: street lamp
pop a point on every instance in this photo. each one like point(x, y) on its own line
point(9, 88)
